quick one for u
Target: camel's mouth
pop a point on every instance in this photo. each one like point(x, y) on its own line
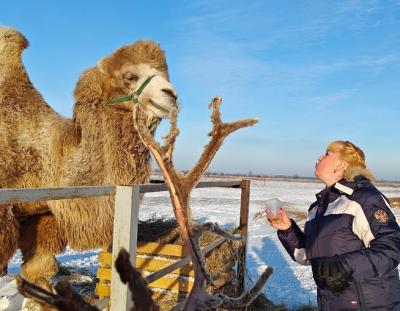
point(156, 96)
point(160, 110)
point(163, 112)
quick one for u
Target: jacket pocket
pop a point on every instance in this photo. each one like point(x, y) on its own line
point(374, 295)
point(345, 302)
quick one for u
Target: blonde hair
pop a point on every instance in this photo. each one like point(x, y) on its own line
point(355, 158)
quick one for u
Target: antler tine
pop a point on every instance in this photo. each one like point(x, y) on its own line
point(247, 297)
point(161, 153)
point(216, 114)
point(195, 239)
point(210, 302)
point(141, 294)
point(233, 126)
point(198, 230)
point(30, 290)
point(170, 138)
point(218, 134)
point(65, 300)
point(145, 135)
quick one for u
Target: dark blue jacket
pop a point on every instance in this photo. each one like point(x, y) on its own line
point(354, 221)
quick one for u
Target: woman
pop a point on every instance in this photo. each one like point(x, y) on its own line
point(351, 237)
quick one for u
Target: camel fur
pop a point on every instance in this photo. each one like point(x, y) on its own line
point(98, 146)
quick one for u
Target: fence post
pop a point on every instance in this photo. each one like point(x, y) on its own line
point(244, 218)
point(124, 235)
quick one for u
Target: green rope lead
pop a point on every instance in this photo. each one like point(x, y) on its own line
point(139, 91)
point(134, 96)
point(119, 99)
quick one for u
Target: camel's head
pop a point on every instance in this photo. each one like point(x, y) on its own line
point(129, 67)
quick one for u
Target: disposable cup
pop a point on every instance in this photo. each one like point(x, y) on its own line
point(272, 207)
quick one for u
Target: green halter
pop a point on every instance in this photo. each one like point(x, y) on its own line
point(134, 96)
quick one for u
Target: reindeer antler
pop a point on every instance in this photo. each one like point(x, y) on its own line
point(141, 293)
point(180, 186)
point(218, 134)
point(67, 300)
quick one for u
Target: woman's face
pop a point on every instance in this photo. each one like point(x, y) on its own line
point(328, 168)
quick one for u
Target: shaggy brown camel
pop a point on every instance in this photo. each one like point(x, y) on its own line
point(98, 146)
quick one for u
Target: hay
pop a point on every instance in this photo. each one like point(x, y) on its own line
point(220, 263)
point(160, 230)
point(82, 280)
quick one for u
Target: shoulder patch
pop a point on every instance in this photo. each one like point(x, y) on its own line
point(381, 216)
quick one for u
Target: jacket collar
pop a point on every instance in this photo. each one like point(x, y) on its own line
point(341, 187)
point(327, 195)
point(347, 187)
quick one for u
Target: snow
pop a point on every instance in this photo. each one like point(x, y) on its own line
point(290, 284)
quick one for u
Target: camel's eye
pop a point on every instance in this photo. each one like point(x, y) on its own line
point(130, 77)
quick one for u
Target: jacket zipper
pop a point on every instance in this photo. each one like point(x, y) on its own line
point(360, 295)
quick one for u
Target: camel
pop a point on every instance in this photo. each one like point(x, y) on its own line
point(179, 186)
point(97, 146)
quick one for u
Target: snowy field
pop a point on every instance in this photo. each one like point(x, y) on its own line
point(291, 284)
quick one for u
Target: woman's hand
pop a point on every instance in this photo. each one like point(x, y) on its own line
point(282, 222)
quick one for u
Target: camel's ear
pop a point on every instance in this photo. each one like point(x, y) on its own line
point(104, 65)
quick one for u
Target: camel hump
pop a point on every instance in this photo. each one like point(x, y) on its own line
point(17, 93)
point(12, 41)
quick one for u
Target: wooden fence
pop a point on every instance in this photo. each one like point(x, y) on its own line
point(126, 223)
point(167, 266)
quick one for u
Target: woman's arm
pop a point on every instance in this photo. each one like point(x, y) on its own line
point(291, 237)
point(293, 241)
point(376, 225)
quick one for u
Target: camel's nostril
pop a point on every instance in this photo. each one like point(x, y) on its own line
point(170, 92)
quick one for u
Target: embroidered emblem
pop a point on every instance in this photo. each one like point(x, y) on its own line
point(381, 216)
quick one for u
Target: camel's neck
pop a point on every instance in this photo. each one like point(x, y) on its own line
point(112, 149)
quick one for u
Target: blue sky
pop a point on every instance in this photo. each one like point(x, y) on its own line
point(312, 71)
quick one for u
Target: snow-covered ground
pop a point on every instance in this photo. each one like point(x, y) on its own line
point(291, 284)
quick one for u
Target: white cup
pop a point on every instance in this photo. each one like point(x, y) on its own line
point(272, 208)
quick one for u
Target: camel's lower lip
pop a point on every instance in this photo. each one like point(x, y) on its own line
point(159, 107)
